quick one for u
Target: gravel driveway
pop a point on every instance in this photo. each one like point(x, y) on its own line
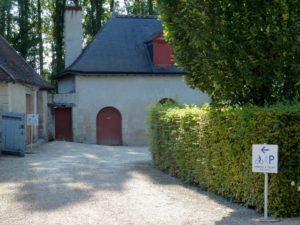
point(64, 183)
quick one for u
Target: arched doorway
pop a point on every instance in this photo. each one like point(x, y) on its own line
point(109, 127)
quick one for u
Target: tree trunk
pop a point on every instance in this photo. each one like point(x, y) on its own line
point(58, 29)
point(40, 32)
point(150, 7)
point(23, 21)
point(112, 6)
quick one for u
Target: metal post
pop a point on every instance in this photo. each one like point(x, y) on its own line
point(266, 197)
point(31, 137)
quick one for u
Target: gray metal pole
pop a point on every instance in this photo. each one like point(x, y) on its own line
point(31, 137)
point(266, 197)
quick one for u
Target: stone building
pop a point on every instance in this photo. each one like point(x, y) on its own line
point(22, 90)
point(104, 93)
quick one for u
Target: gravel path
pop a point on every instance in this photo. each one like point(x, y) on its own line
point(64, 183)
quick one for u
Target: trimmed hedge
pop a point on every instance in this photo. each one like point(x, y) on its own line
point(212, 148)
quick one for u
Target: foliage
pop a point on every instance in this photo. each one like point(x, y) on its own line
point(239, 52)
point(58, 28)
point(6, 19)
point(35, 28)
point(211, 147)
point(18, 27)
point(141, 7)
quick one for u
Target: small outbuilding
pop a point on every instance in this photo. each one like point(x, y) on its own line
point(22, 90)
point(103, 94)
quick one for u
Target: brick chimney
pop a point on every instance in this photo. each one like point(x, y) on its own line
point(73, 34)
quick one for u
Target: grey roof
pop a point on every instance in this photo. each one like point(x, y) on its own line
point(120, 48)
point(14, 68)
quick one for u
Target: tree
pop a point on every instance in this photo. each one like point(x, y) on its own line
point(6, 18)
point(141, 7)
point(40, 38)
point(23, 40)
point(19, 27)
point(58, 29)
point(35, 28)
point(94, 17)
point(239, 52)
point(112, 5)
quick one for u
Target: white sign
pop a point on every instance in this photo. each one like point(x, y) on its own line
point(32, 119)
point(265, 158)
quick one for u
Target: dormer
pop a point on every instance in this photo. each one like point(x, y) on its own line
point(160, 51)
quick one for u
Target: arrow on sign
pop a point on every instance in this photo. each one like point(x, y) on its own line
point(264, 149)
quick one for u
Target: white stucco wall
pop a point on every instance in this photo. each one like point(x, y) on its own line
point(3, 101)
point(13, 99)
point(3, 97)
point(43, 110)
point(17, 97)
point(17, 100)
point(65, 98)
point(130, 95)
point(66, 85)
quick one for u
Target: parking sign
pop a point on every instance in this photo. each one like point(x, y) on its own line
point(32, 119)
point(264, 158)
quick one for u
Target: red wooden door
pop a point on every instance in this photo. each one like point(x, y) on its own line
point(28, 111)
point(63, 124)
point(109, 128)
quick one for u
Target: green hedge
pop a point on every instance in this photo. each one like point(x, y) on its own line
point(212, 147)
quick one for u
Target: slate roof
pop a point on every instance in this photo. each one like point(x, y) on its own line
point(120, 48)
point(14, 68)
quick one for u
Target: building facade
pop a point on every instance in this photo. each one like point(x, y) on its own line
point(22, 90)
point(104, 94)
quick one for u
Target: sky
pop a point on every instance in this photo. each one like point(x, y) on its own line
point(122, 4)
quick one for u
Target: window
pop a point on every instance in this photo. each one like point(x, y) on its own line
point(160, 52)
point(167, 101)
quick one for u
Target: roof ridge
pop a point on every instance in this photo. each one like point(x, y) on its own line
point(136, 17)
point(35, 79)
point(20, 57)
point(9, 74)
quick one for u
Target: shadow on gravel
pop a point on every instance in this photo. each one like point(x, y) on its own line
point(239, 216)
point(162, 178)
point(59, 174)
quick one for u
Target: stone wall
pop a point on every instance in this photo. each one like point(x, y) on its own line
point(130, 95)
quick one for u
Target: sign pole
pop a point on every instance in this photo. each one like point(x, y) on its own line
point(266, 197)
point(265, 160)
point(31, 137)
point(32, 121)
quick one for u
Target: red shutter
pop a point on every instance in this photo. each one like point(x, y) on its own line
point(162, 52)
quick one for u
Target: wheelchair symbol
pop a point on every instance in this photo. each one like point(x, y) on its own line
point(259, 160)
